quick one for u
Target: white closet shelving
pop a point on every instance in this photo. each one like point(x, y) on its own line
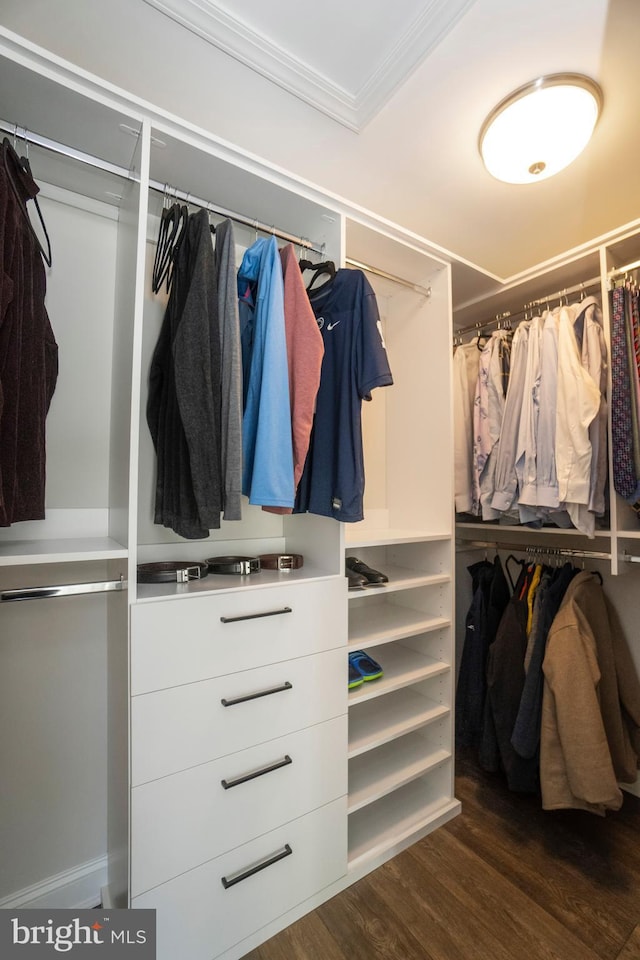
point(202, 686)
point(401, 725)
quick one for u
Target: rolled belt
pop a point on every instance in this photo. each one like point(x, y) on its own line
point(237, 565)
point(171, 571)
point(281, 561)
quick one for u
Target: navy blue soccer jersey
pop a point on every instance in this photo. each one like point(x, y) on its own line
point(355, 361)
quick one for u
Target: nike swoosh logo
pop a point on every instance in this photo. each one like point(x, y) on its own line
point(330, 326)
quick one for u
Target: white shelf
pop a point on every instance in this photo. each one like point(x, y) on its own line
point(483, 531)
point(356, 536)
point(373, 624)
point(376, 722)
point(381, 826)
point(225, 583)
point(377, 774)
point(402, 668)
point(401, 578)
point(13, 553)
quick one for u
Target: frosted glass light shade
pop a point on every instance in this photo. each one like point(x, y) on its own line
point(541, 128)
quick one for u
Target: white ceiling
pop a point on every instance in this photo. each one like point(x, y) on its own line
point(381, 102)
point(345, 60)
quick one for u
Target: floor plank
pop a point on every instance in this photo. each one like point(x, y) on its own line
point(631, 949)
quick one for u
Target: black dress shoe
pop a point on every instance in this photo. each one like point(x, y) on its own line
point(356, 580)
point(372, 576)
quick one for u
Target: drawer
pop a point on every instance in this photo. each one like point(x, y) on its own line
point(184, 820)
point(194, 638)
point(183, 726)
point(199, 918)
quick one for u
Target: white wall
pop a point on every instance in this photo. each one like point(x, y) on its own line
point(53, 676)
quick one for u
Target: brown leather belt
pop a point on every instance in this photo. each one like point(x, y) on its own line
point(238, 565)
point(281, 561)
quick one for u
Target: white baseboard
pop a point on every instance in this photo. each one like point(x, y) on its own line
point(76, 889)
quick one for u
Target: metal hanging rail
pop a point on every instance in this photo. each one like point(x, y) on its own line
point(508, 315)
point(21, 133)
point(541, 550)
point(620, 270)
point(62, 590)
point(536, 550)
point(417, 287)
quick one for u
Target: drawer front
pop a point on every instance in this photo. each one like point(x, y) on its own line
point(198, 918)
point(181, 821)
point(181, 727)
point(194, 638)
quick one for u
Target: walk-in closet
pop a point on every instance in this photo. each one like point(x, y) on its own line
point(184, 725)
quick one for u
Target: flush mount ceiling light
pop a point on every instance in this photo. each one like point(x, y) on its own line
point(540, 128)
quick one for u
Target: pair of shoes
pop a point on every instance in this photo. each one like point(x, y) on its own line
point(362, 667)
point(372, 577)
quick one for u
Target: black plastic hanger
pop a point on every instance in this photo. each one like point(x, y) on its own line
point(172, 222)
point(320, 269)
point(26, 166)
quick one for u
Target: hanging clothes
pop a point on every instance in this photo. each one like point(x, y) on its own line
point(590, 733)
point(305, 350)
point(625, 478)
point(231, 372)
point(29, 369)
point(488, 410)
point(506, 480)
point(490, 598)
point(505, 683)
point(466, 360)
point(184, 403)
point(550, 594)
point(267, 451)
point(355, 362)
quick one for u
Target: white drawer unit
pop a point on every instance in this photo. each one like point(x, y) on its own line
point(181, 821)
point(191, 638)
point(204, 912)
point(197, 722)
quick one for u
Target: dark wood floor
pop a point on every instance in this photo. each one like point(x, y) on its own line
point(503, 881)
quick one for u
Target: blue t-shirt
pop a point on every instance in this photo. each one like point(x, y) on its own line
point(355, 361)
point(267, 453)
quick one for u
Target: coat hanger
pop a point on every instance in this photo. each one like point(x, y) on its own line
point(26, 166)
point(172, 222)
point(320, 269)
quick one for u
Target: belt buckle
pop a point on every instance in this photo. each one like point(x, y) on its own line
point(286, 561)
point(187, 573)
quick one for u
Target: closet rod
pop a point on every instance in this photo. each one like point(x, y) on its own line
point(189, 198)
point(22, 134)
point(542, 550)
point(508, 315)
point(425, 291)
point(62, 590)
point(625, 269)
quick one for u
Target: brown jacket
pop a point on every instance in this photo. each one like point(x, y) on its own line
point(591, 705)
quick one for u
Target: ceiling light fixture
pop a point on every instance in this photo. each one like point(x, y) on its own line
point(540, 128)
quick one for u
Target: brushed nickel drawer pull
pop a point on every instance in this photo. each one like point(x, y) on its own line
point(254, 696)
point(256, 616)
point(227, 784)
point(262, 865)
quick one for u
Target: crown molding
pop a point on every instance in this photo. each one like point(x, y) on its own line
point(238, 40)
point(352, 109)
